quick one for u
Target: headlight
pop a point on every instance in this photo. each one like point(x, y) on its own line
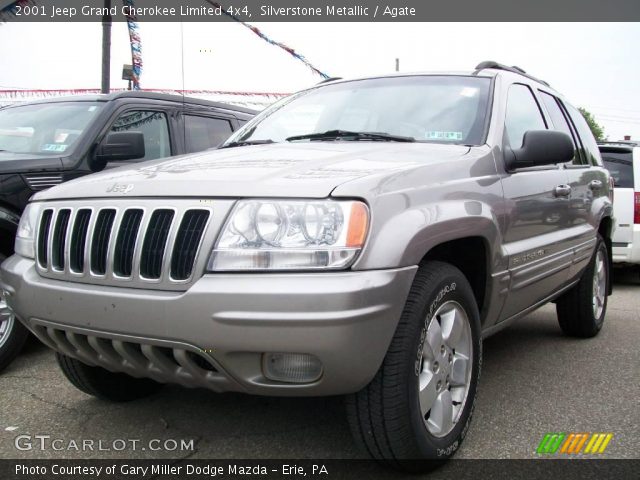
point(291, 235)
point(25, 237)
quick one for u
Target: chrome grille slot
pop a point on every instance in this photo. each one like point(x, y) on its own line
point(137, 243)
point(100, 242)
point(187, 243)
point(59, 239)
point(43, 238)
point(79, 240)
point(155, 242)
point(126, 242)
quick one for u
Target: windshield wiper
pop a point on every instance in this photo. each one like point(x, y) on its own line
point(247, 142)
point(345, 134)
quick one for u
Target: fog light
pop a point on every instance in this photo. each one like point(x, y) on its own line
point(291, 367)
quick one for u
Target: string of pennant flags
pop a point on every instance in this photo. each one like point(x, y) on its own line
point(257, 100)
point(44, 93)
point(264, 37)
point(8, 12)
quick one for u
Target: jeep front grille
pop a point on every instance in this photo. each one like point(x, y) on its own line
point(121, 245)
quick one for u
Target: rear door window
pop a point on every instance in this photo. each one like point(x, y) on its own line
point(202, 133)
point(560, 122)
point(620, 165)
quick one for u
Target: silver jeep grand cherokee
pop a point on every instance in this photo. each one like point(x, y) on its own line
point(359, 238)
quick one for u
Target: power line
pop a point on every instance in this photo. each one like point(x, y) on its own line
point(614, 108)
point(628, 122)
point(618, 117)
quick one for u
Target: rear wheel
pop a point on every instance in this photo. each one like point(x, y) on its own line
point(419, 405)
point(13, 334)
point(582, 309)
point(103, 384)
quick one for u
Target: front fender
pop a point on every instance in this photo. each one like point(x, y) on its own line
point(407, 236)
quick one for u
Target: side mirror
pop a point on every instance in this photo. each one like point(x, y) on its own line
point(540, 147)
point(121, 146)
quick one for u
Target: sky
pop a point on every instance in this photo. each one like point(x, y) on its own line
point(594, 65)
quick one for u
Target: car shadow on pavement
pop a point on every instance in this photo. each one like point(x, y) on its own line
point(626, 276)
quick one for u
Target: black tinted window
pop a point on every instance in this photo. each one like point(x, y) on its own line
point(559, 120)
point(205, 132)
point(153, 126)
point(523, 114)
point(591, 152)
point(620, 165)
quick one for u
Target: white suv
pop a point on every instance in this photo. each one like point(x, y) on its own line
point(622, 159)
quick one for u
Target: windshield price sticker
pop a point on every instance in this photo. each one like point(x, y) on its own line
point(437, 135)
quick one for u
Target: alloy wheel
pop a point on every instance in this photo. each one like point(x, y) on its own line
point(445, 376)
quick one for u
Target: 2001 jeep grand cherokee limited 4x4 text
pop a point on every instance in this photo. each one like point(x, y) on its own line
point(359, 237)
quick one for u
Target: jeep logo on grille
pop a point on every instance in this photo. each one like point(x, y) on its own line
point(120, 188)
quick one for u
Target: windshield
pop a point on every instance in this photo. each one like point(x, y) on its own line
point(46, 128)
point(439, 109)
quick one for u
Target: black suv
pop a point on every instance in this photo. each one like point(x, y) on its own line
point(48, 142)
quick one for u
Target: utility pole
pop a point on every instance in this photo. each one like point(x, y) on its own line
point(397, 64)
point(106, 47)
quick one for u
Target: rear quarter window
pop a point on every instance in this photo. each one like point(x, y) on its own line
point(620, 165)
point(590, 147)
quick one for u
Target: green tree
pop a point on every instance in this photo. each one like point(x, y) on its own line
point(597, 130)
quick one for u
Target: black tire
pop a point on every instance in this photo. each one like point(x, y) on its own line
point(103, 384)
point(13, 339)
point(385, 416)
point(575, 308)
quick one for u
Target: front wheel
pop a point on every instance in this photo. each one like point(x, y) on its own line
point(419, 404)
point(582, 309)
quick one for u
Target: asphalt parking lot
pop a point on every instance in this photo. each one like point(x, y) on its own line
point(534, 381)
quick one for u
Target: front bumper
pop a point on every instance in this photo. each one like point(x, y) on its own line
point(214, 334)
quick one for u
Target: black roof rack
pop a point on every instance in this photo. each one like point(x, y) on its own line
point(513, 69)
point(330, 79)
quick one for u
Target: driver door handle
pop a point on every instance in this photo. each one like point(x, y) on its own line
point(562, 190)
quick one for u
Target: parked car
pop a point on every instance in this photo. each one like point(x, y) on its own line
point(622, 159)
point(364, 251)
point(45, 143)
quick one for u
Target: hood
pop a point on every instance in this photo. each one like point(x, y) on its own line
point(11, 162)
point(310, 170)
